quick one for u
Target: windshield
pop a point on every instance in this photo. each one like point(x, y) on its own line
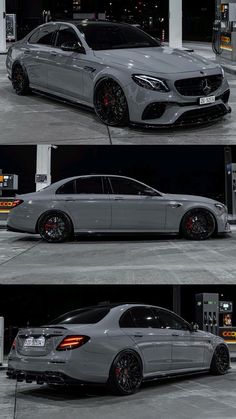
point(115, 36)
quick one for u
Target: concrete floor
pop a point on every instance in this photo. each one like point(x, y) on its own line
point(195, 397)
point(36, 120)
point(112, 260)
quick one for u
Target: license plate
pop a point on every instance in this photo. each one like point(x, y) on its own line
point(34, 342)
point(206, 100)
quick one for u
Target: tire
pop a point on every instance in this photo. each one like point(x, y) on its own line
point(220, 360)
point(55, 227)
point(110, 103)
point(126, 374)
point(20, 80)
point(198, 224)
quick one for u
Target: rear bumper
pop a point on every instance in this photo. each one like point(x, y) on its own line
point(46, 377)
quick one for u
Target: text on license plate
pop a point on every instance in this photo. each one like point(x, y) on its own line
point(206, 100)
point(31, 341)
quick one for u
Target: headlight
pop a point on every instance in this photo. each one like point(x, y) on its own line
point(151, 83)
point(221, 208)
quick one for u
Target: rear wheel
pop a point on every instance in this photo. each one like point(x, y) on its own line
point(110, 103)
point(55, 227)
point(198, 224)
point(20, 81)
point(125, 374)
point(220, 360)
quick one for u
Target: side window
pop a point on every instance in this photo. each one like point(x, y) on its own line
point(67, 188)
point(143, 317)
point(43, 36)
point(169, 321)
point(126, 320)
point(91, 185)
point(127, 187)
point(66, 34)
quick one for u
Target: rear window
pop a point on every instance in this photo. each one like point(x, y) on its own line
point(83, 316)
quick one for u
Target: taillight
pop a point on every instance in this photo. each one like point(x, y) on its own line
point(17, 202)
point(13, 346)
point(72, 342)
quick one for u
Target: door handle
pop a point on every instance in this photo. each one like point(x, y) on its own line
point(53, 53)
point(70, 200)
point(138, 335)
point(175, 334)
point(118, 198)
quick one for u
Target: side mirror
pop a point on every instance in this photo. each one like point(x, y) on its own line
point(73, 47)
point(194, 327)
point(149, 192)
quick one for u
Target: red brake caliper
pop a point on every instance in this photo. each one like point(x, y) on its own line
point(50, 226)
point(189, 223)
point(117, 371)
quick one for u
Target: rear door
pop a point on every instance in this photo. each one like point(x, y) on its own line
point(37, 55)
point(87, 202)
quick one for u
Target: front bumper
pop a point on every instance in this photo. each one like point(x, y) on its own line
point(166, 109)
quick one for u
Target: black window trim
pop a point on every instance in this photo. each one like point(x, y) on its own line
point(38, 29)
point(174, 315)
point(132, 180)
point(85, 177)
point(69, 26)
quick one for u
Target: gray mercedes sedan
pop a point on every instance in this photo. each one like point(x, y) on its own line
point(114, 204)
point(120, 345)
point(121, 72)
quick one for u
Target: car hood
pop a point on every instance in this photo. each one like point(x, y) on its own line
point(159, 59)
point(194, 198)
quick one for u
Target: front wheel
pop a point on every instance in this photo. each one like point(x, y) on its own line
point(125, 374)
point(55, 227)
point(20, 81)
point(110, 103)
point(220, 360)
point(198, 224)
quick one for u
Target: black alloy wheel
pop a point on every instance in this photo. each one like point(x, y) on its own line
point(198, 224)
point(220, 360)
point(20, 81)
point(55, 227)
point(110, 103)
point(125, 373)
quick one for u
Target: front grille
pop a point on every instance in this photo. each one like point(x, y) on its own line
point(199, 86)
point(197, 116)
point(154, 111)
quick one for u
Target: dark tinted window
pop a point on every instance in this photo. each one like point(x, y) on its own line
point(67, 188)
point(83, 316)
point(43, 36)
point(107, 36)
point(66, 35)
point(127, 187)
point(91, 185)
point(127, 320)
point(169, 321)
point(143, 317)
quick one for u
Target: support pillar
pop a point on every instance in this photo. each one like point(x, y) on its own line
point(43, 169)
point(3, 26)
point(1, 340)
point(175, 23)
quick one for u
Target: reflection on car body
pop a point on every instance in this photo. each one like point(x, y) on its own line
point(117, 344)
point(114, 204)
point(120, 71)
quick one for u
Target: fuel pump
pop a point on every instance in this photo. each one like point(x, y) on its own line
point(207, 312)
point(224, 29)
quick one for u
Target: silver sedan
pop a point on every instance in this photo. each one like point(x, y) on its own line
point(117, 345)
point(114, 204)
point(120, 71)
